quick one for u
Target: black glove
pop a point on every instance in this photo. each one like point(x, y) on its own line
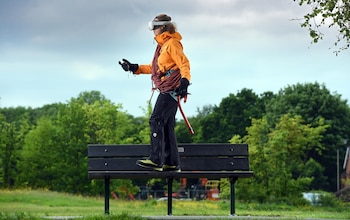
point(127, 66)
point(182, 89)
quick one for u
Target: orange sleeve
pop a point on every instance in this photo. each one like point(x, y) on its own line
point(144, 69)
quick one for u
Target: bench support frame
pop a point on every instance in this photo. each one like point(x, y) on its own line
point(170, 195)
point(232, 196)
point(107, 193)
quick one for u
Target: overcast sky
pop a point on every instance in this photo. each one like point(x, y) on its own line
point(50, 51)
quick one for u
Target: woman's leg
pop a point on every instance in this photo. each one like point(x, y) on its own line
point(171, 153)
point(164, 112)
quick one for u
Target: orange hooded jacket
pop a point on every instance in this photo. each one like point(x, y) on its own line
point(171, 57)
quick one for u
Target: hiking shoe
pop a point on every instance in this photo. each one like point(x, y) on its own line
point(171, 168)
point(147, 163)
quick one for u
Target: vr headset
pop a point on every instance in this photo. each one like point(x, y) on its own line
point(153, 25)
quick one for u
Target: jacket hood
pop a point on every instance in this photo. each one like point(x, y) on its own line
point(163, 37)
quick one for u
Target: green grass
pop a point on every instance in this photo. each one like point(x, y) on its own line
point(36, 204)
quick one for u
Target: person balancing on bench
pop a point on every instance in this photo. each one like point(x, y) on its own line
point(171, 75)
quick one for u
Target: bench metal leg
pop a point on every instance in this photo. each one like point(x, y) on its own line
point(107, 193)
point(233, 196)
point(170, 195)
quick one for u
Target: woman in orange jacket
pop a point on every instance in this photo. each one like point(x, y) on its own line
point(170, 73)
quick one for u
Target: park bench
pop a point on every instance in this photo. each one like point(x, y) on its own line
point(212, 161)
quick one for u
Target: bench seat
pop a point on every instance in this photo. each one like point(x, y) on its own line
point(212, 161)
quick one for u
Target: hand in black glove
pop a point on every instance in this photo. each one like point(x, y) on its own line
point(182, 89)
point(127, 66)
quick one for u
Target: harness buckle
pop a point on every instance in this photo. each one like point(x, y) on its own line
point(168, 73)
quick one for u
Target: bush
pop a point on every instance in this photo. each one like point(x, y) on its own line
point(322, 198)
point(329, 200)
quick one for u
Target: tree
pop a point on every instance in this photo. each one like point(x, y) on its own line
point(232, 116)
point(182, 132)
point(140, 131)
point(313, 101)
point(41, 165)
point(3, 141)
point(89, 118)
point(12, 139)
point(47, 147)
point(331, 13)
point(278, 156)
point(315, 170)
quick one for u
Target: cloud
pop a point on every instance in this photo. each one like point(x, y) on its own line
point(91, 71)
point(53, 50)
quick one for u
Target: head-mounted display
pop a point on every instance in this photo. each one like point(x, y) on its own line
point(152, 25)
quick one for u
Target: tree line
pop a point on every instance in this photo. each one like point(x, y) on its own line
point(293, 138)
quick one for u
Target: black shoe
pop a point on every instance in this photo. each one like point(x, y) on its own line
point(147, 163)
point(171, 168)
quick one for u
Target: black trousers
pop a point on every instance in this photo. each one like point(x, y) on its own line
point(163, 139)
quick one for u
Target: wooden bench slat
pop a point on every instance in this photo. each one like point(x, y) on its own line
point(185, 150)
point(154, 174)
point(125, 150)
point(188, 163)
point(212, 150)
point(218, 164)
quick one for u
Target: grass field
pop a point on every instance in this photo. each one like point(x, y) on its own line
point(37, 204)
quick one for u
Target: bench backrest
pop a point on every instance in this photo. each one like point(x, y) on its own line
point(194, 157)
